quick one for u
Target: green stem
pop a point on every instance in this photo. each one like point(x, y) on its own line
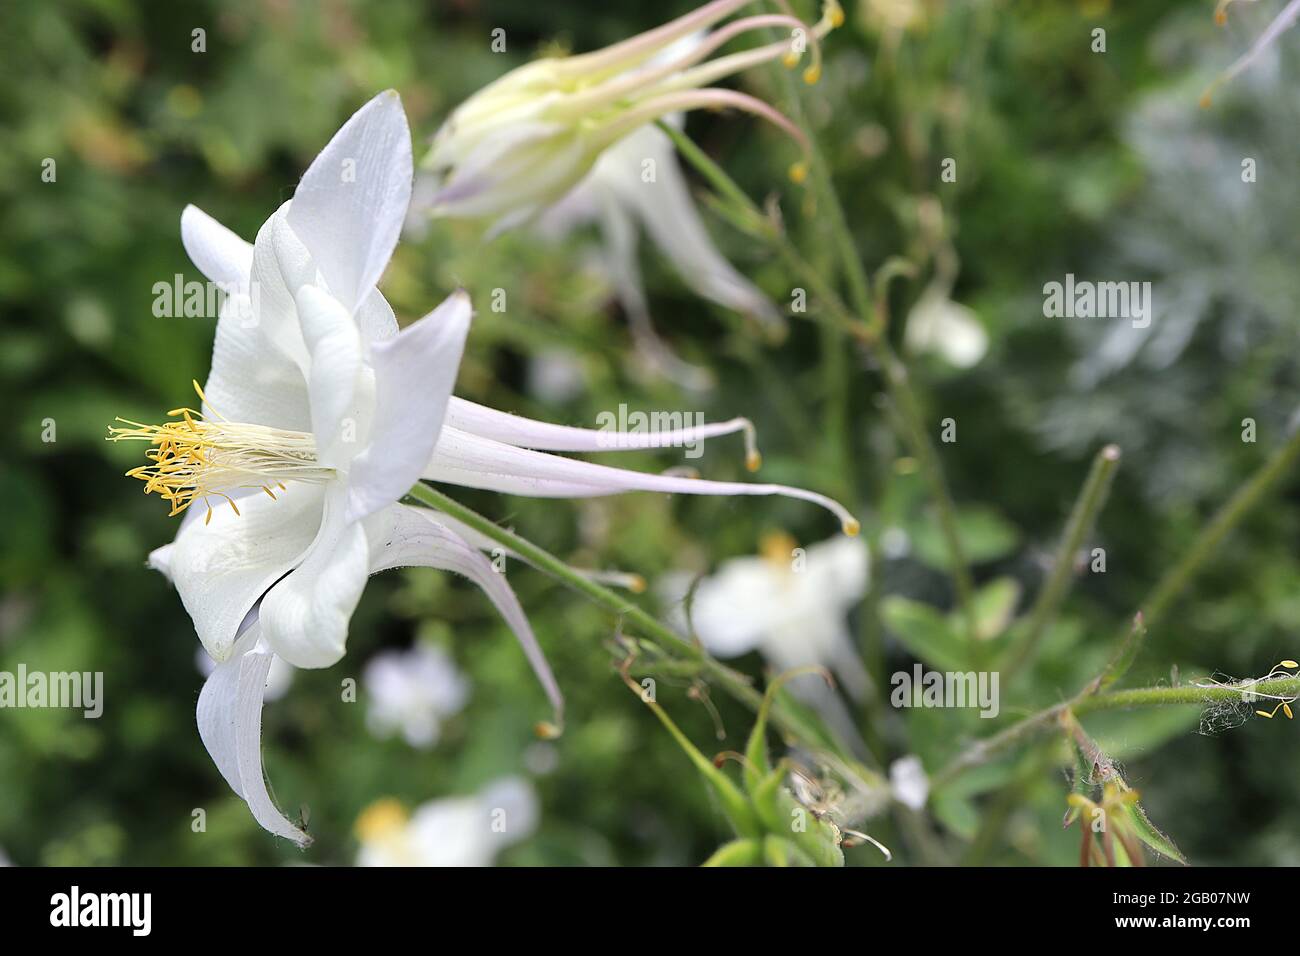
point(1228, 517)
point(1082, 517)
point(1086, 703)
point(791, 722)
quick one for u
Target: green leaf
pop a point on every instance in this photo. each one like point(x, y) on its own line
point(956, 813)
point(1148, 834)
point(994, 606)
point(985, 536)
point(928, 634)
point(747, 852)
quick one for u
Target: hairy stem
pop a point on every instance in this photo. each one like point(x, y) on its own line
point(1086, 703)
point(1206, 545)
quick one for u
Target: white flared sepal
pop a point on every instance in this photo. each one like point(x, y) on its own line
point(216, 251)
point(414, 376)
point(665, 207)
point(420, 538)
point(349, 207)
point(230, 724)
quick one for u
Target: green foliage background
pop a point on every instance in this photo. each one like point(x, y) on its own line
point(1068, 161)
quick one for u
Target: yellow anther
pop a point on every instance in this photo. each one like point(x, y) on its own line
point(834, 15)
point(1288, 664)
point(812, 75)
point(547, 730)
point(852, 527)
point(798, 173)
point(790, 59)
point(194, 458)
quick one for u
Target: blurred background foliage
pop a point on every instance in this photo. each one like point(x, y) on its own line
point(1067, 161)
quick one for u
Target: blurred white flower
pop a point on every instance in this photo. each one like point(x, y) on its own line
point(522, 142)
point(4, 859)
point(412, 693)
point(908, 781)
point(638, 184)
point(791, 604)
point(945, 328)
point(456, 831)
point(556, 376)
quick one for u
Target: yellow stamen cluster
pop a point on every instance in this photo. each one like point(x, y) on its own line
point(194, 458)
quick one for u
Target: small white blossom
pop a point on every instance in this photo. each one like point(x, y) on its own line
point(456, 831)
point(412, 693)
point(910, 785)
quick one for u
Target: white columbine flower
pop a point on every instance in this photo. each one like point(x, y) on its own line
point(413, 692)
point(317, 417)
point(790, 604)
point(521, 143)
point(457, 831)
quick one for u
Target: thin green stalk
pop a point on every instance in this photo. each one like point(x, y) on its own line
point(1087, 703)
point(1082, 518)
point(1171, 585)
point(734, 683)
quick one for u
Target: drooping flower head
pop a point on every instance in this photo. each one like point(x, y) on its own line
point(522, 142)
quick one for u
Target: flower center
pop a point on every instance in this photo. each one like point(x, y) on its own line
point(193, 457)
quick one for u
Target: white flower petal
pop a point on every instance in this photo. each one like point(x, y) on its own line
point(305, 616)
point(473, 462)
point(258, 355)
point(375, 317)
point(222, 567)
point(909, 782)
point(349, 207)
point(526, 433)
point(664, 205)
point(414, 376)
point(938, 324)
point(217, 252)
point(230, 724)
point(334, 343)
point(420, 538)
